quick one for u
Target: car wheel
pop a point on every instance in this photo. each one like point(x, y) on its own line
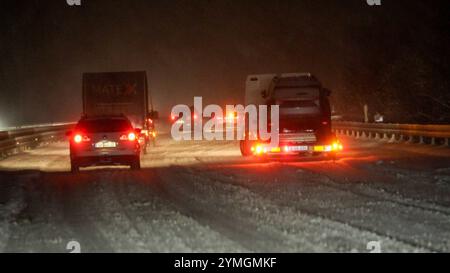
point(136, 164)
point(245, 148)
point(74, 168)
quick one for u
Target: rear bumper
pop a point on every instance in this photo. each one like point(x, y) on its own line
point(104, 160)
point(294, 149)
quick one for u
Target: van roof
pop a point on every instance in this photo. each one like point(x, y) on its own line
point(256, 77)
point(287, 79)
point(297, 81)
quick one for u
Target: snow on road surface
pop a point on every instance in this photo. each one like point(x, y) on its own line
point(203, 196)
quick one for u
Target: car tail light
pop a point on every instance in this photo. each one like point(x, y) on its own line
point(275, 150)
point(130, 137)
point(258, 149)
point(337, 146)
point(319, 149)
point(334, 147)
point(78, 138)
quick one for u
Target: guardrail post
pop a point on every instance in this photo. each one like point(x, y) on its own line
point(421, 140)
point(393, 139)
point(377, 136)
point(410, 139)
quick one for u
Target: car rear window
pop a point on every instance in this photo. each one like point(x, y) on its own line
point(104, 125)
point(299, 103)
point(282, 92)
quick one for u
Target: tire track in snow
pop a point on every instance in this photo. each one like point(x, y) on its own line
point(278, 228)
point(326, 202)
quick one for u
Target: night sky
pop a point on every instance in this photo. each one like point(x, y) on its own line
point(188, 48)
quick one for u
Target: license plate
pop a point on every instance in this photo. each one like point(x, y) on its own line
point(105, 144)
point(298, 148)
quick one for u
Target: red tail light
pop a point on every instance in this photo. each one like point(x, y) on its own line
point(78, 138)
point(130, 137)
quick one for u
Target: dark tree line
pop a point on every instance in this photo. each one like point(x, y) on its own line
point(398, 63)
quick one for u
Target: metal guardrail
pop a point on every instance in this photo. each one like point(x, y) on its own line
point(22, 138)
point(411, 133)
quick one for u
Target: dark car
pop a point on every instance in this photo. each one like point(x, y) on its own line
point(100, 141)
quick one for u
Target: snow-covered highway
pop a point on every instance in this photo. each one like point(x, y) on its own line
point(203, 196)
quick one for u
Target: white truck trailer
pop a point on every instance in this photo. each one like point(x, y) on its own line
point(305, 115)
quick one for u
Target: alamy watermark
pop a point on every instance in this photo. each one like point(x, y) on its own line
point(373, 2)
point(73, 2)
point(246, 122)
point(73, 247)
point(374, 246)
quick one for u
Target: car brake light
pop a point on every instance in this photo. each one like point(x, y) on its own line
point(130, 137)
point(80, 138)
point(275, 150)
point(259, 149)
point(337, 146)
point(319, 148)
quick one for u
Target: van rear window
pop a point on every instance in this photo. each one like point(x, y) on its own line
point(296, 92)
point(298, 103)
point(104, 125)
